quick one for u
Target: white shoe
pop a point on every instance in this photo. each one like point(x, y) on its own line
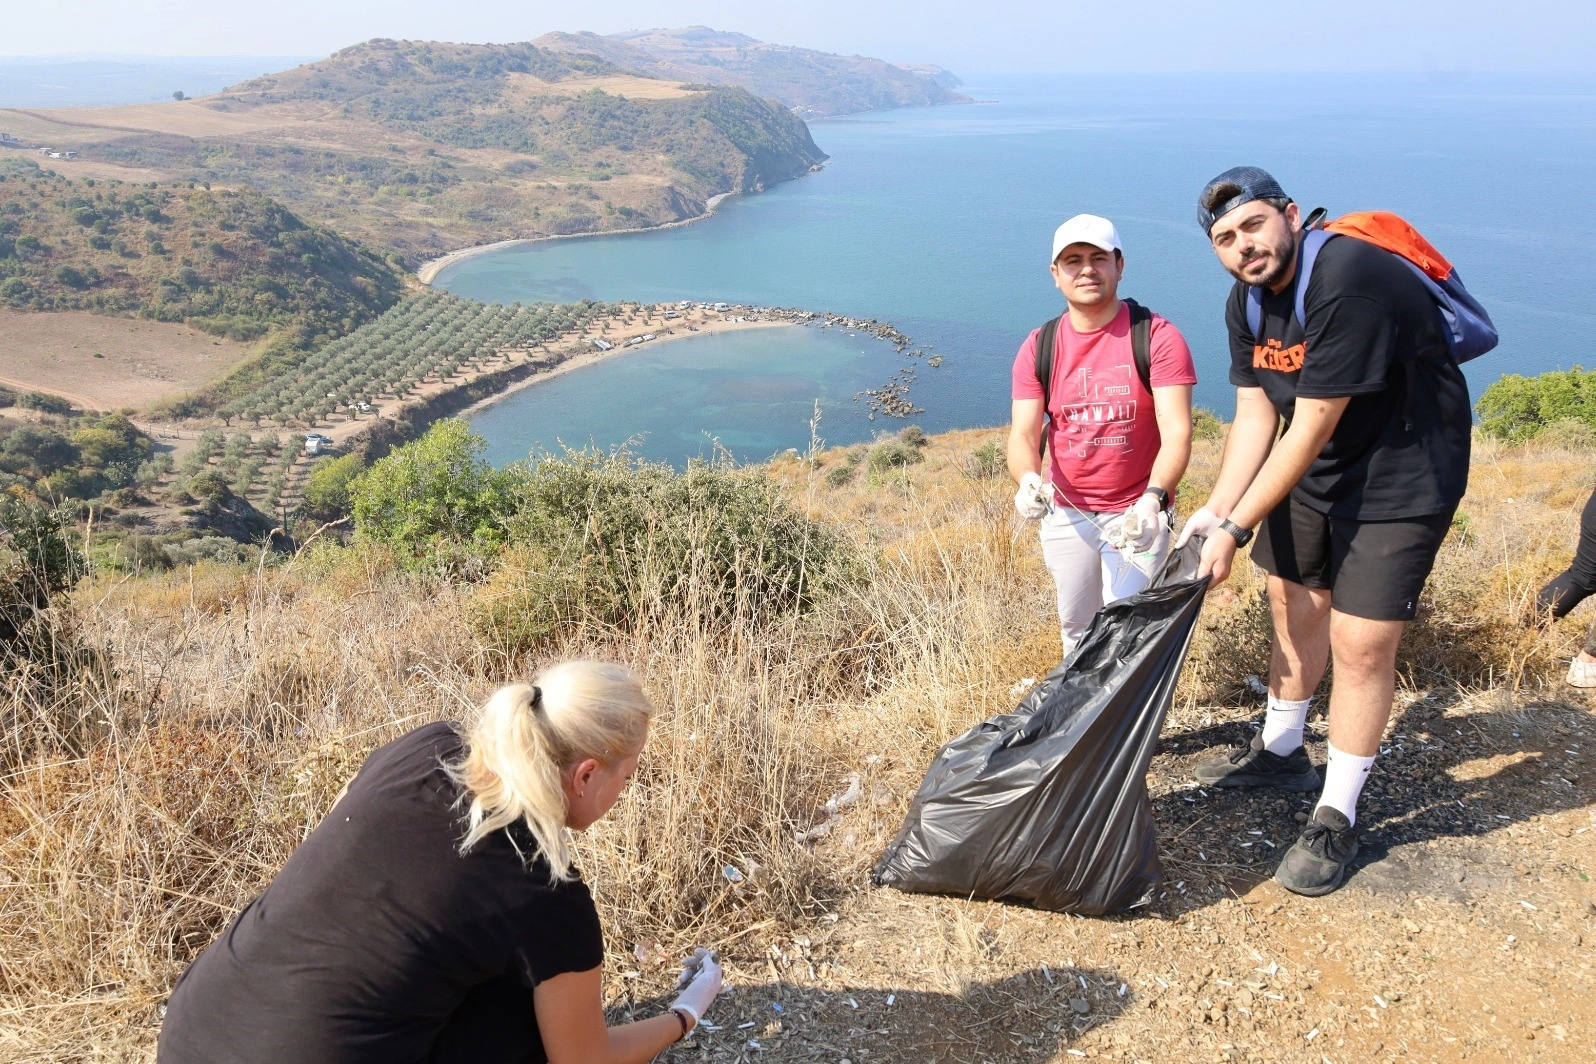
point(1581, 673)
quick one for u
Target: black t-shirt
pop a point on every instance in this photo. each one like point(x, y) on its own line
point(1401, 449)
point(377, 931)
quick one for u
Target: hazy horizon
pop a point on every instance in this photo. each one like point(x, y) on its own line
point(1001, 37)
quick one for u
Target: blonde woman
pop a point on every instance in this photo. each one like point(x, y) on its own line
point(435, 915)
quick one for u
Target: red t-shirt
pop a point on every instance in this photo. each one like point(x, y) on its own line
point(1102, 431)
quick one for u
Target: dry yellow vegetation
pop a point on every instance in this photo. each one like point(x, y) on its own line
point(108, 363)
point(628, 85)
point(147, 797)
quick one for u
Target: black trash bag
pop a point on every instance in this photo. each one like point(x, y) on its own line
point(1048, 804)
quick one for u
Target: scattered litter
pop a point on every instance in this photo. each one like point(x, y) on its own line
point(745, 1026)
point(834, 806)
point(1082, 978)
point(1255, 833)
point(852, 1004)
point(1313, 1034)
point(891, 998)
point(777, 1006)
point(1255, 684)
point(1123, 987)
point(1528, 906)
point(1380, 1001)
point(754, 1045)
point(1022, 686)
point(1503, 816)
point(732, 875)
point(1047, 974)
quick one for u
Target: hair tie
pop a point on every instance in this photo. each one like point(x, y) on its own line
point(537, 698)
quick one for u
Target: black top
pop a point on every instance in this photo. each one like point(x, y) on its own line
point(377, 931)
point(1372, 332)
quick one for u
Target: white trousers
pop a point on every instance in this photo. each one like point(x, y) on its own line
point(1089, 571)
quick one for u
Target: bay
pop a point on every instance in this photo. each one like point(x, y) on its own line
point(938, 220)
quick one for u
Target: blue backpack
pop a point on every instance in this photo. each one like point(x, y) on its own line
point(1467, 327)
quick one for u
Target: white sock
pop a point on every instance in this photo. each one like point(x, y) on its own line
point(1282, 732)
point(1344, 777)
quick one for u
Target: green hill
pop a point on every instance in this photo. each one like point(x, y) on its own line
point(229, 261)
point(814, 84)
point(426, 147)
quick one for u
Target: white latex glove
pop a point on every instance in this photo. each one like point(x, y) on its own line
point(1140, 524)
point(699, 983)
point(1031, 501)
point(1202, 523)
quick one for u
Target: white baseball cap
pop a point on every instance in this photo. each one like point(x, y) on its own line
point(1085, 229)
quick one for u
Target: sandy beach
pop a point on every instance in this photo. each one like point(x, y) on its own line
point(427, 272)
point(579, 353)
point(593, 355)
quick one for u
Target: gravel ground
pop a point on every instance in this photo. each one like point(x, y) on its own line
point(1460, 935)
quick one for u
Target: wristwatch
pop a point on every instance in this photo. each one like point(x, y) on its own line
point(1160, 494)
point(1242, 536)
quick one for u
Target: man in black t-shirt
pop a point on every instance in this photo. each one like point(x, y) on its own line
point(1354, 498)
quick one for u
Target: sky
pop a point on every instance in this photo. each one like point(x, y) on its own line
point(995, 36)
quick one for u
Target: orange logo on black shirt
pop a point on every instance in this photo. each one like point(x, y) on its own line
point(1280, 359)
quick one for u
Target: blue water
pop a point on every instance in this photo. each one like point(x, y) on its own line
point(938, 220)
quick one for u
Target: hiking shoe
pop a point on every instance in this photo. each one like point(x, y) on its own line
point(1317, 862)
point(1581, 673)
point(1253, 766)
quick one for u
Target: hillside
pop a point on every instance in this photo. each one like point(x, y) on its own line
point(814, 84)
point(426, 147)
point(228, 261)
point(813, 631)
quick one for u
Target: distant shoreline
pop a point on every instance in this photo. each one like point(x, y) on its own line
point(595, 356)
point(428, 271)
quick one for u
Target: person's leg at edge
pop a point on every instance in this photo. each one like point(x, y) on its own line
point(1298, 654)
point(1360, 704)
point(1070, 543)
point(1578, 582)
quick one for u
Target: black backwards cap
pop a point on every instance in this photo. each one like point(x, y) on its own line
point(1255, 183)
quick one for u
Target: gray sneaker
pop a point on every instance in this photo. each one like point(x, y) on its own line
point(1253, 766)
point(1317, 862)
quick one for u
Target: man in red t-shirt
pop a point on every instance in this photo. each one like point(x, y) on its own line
point(1118, 451)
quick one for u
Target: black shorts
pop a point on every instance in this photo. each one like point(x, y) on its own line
point(1372, 569)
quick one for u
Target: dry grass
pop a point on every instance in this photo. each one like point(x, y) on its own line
point(629, 85)
point(109, 363)
point(143, 804)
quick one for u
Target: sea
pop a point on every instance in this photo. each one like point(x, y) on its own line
point(938, 220)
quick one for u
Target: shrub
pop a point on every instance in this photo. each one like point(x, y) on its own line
point(1519, 408)
point(328, 492)
point(1570, 434)
point(44, 403)
point(618, 542)
point(208, 548)
point(1206, 425)
point(891, 453)
point(37, 561)
point(838, 476)
point(435, 500)
point(987, 460)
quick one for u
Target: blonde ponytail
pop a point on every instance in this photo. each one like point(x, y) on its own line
point(528, 733)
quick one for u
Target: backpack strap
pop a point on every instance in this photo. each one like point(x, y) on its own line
point(1046, 337)
point(1312, 242)
point(1141, 325)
